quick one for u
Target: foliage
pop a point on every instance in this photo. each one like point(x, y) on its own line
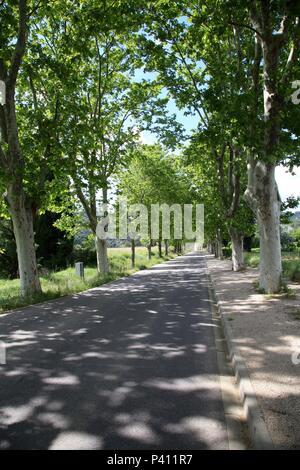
point(286, 214)
point(287, 241)
point(291, 264)
point(153, 177)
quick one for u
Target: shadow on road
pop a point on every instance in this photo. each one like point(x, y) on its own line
point(129, 365)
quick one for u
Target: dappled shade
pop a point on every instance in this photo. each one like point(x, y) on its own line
point(128, 365)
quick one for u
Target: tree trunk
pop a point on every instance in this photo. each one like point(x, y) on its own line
point(216, 253)
point(149, 250)
point(166, 248)
point(262, 192)
point(219, 245)
point(262, 195)
point(268, 216)
point(213, 247)
point(22, 218)
point(133, 253)
point(102, 256)
point(101, 245)
point(159, 249)
point(237, 242)
point(270, 253)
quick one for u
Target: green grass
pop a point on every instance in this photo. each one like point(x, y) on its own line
point(290, 264)
point(252, 259)
point(61, 283)
point(291, 269)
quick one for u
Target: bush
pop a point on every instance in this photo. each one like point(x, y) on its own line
point(287, 242)
point(296, 236)
point(8, 251)
point(291, 269)
point(227, 252)
point(252, 259)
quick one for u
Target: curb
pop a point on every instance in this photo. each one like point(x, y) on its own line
point(259, 434)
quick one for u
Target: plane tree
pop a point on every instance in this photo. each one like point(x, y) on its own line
point(257, 43)
point(191, 66)
point(21, 175)
point(214, 179)
point(153, 178)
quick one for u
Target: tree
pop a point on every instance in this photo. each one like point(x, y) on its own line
point(11, 153)
point(277, 39)
point(191, 66)
point(153, 177)
point(212, 176)
point(30, 156)
point(105, 109)
point(195, 49)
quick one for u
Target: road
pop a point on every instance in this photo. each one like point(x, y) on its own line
point(129, 365)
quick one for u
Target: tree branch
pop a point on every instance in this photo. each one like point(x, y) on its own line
point(292, 55)
point(247, 26)
point(20, 46)
point(235, 184)
point(3, 160)
point(86, 206)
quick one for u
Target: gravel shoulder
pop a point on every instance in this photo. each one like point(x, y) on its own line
point(266, 331)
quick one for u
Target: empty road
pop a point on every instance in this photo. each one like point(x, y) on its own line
point(129, 365)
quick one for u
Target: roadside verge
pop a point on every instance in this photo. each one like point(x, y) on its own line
point(263, 338)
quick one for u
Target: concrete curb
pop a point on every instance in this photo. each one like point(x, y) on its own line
point(259, 434)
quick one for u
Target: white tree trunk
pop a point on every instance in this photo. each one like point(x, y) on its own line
point(237, 242)
point(101, 245)
point(219, 245)
point(262, 195)
point(270, 246)
point(102, 256)
point(22, 219)
point(149, 251)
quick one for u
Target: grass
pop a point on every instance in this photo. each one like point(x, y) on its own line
point(290, 264)
point(285, 293)
point(61, 283)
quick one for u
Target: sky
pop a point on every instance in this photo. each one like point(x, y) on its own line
point(288, 184)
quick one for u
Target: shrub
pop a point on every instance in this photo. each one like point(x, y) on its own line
point(291, 269)
point(227, 251)
point(287, 242)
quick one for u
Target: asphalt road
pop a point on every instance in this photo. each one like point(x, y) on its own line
point(129, 365)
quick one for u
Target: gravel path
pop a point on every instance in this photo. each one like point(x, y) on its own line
point(267, 332)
